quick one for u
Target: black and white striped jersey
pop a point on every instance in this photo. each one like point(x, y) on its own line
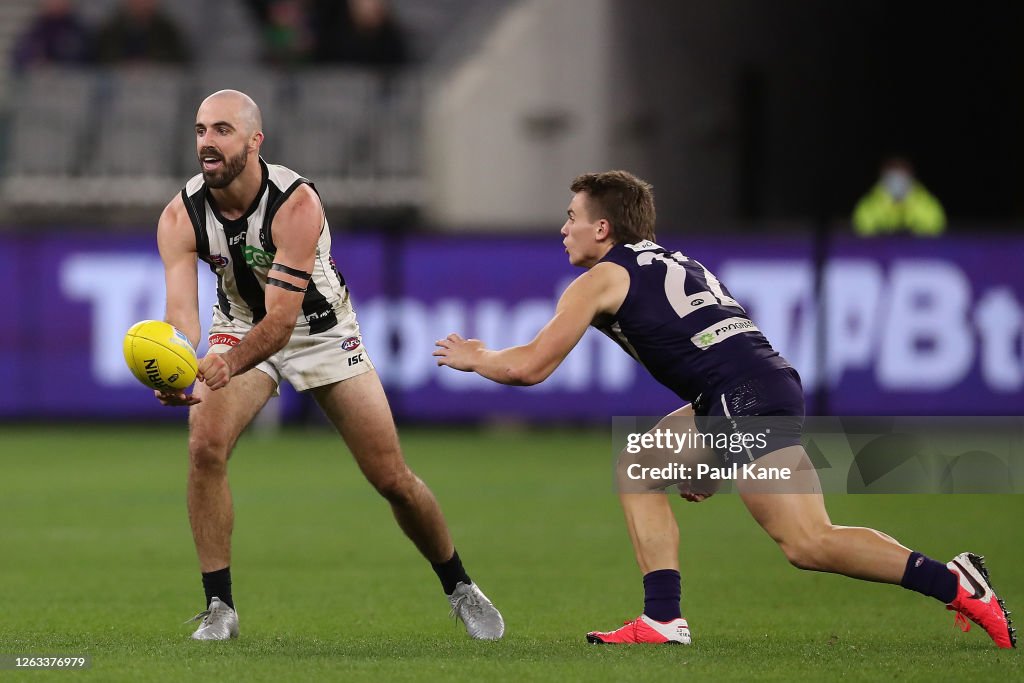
point(240, 252)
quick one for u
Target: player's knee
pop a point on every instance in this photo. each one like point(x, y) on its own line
point(207, 452)
point(807, 549)
point(799, 556)
point(397, 486)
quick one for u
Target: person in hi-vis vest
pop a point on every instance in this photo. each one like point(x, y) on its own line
point(898, 202)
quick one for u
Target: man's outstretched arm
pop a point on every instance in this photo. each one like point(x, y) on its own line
point(598, 291)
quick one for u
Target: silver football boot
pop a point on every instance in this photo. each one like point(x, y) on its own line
point(220, 622)
point(482, 619)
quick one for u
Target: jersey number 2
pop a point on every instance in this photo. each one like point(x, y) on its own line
point(683, 304)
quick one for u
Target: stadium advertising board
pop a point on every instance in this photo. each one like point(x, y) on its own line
point(906, 327)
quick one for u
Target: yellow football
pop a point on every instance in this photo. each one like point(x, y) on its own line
point(160, 356)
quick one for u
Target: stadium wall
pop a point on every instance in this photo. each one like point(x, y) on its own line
point(533, 96)
point(898, 327)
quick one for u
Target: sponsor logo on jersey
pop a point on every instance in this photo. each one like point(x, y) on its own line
point(646, 245)
point(224, 339)
point(723, 329)
point(257, 258)
point(350, 344)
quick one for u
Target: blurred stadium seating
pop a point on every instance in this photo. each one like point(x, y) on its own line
point(355, 131)
point(91, 128)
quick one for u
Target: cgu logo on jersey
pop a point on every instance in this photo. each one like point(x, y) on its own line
point(257, 258)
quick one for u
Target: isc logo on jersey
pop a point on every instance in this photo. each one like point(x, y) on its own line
point(160, 356)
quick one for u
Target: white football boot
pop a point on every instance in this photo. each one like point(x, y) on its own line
point(220, 622)
point(482, 619)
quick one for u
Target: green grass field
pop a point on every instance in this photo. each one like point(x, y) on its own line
point(96, 558)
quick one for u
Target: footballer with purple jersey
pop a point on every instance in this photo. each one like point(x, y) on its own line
point(673, 315)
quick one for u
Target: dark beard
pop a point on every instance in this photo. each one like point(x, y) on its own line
point(232, 168)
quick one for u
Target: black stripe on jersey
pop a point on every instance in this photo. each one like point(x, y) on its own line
point(284, 285)
point(294, 272)
point(222, 297)
point(266, 234)
point(318, 311)
point(197, 214)
point(246, 281)
point(195, 205)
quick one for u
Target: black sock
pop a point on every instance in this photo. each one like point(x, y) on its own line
point(662, 591)
point(451, 573)
point(931, 578)
point(218, 584)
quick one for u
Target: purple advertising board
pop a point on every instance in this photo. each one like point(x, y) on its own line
point(903, 327)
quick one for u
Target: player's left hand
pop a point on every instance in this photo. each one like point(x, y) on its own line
point(214, 371)
point(176, 398)
point(697, 492)
point(457, 353)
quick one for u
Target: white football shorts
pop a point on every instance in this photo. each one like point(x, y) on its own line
point(307, 361)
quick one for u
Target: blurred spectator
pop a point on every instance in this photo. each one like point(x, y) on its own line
point(898, 201)
point(287, 31)
point(140, 31)
point(56, 36)
point(360, 32)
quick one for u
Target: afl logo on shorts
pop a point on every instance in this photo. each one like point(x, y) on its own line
point(350, 344)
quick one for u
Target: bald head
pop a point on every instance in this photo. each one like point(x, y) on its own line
point(229, 131)
point(235, 107)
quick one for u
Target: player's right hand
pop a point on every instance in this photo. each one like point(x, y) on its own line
point(176, 398)
point(457, 352)
point(214, 371)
